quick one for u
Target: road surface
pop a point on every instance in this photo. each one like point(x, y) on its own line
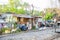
point(47, 34)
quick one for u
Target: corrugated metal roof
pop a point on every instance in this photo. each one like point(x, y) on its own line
point(25, 16)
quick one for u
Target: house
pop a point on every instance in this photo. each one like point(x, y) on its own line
point(25, 19)
point(29, 21)
point(7, 19)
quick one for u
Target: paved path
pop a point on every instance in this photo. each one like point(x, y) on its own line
point(31, 35)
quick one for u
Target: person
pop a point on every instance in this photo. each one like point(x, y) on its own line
point(27, 25)
point(36, 25)
point(55, 24)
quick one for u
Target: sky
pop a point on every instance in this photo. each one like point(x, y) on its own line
point(39, 4)
point(3, 1)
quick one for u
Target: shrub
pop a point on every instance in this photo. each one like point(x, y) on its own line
point(4, 29)
point(18, 30)
point(0, 32)
point(33, 28)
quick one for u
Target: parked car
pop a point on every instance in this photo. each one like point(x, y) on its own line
point(22, 27)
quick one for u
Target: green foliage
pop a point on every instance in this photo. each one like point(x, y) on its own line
point(14, 4)
point(5, 9)
point(35, 12)
point(12, 7)
point(18, 30)
point(41, 13)
point(20, 11)
point(3, 29)
point(11, 2)
point(0, 32)
point(33, 28)
point(48, 16)
point(0, 8)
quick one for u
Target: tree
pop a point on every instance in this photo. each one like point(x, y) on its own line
point(20, 11)
point(14, 5)
point(36, 13)
point(5, 8)
point(0, 8)
point(48, 16)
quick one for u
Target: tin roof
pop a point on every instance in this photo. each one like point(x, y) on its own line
point(25, 16)
point(20, 15)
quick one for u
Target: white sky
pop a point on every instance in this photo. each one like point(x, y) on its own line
point(40, 4)
point(3, 1)
point(37, 3)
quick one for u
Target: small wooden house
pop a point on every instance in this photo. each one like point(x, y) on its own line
point(23, 19)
